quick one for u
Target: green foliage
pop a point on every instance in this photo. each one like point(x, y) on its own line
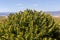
point(29, 25)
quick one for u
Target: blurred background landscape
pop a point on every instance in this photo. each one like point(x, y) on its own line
point(55, 14)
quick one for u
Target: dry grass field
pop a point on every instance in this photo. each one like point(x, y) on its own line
point(57, 18)
point(2, 19)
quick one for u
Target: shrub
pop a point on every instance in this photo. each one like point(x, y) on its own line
point(29, 25)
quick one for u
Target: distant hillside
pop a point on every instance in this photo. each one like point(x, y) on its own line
point(53, 13)
point(5, 13)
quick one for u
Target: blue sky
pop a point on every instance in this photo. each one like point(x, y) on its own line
point(17, 5)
